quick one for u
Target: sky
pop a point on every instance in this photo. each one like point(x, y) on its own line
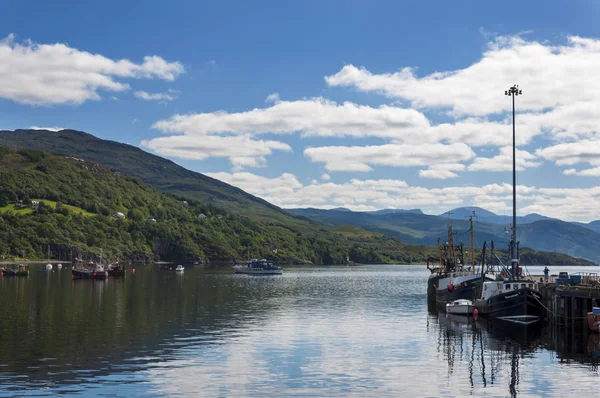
point(324, 104)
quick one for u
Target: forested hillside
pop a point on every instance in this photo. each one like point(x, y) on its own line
point(73, 206)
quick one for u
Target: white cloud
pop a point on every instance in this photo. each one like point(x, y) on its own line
point(311, 117)
point(272, 98)
point(162, 97)
point(53, 128)
point(360, 158)
point(575, 204)
point(568, 154)
point(241, 150)
point(503, 161)
point(52, 74)
point(325, 177)
point(551, 75)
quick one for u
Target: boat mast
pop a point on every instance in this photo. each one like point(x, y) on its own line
point(513, 92)
point(472, 242)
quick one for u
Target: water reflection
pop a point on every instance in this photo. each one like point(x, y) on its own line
point(313, 331)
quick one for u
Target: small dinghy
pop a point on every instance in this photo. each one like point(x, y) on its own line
point(179, 268)
point(460, 307)
point(48, 267)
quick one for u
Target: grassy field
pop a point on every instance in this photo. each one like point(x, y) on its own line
point(27, 210)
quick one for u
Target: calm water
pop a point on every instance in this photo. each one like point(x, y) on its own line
point(363, 331)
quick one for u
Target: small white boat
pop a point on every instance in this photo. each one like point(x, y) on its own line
point(460, 307)
point(48, 266)
point(179, 268)
point(59, 266)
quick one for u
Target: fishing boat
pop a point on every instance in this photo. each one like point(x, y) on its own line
point(453, 280)
point(460, 307)
point(258, 267)
point(512, 296)
point(116, 269)
point(179, 268)
point(91, 271)
point(21, 270)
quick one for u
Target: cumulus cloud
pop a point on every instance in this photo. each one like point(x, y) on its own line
point(553, 76)
point(325, 177)
point(53, 74)
point(237, 148)
point(503, 161)
point(272, 98)
point(161, 97)
point(577, 204)
point(311, 117)
point(360, 158)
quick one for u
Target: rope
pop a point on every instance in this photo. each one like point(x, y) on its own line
point(555, 314)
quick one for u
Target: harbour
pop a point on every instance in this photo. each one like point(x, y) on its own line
point(342, 331)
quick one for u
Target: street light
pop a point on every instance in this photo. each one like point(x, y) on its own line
point(513, 92)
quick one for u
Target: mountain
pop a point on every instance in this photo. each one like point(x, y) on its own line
point(546, 234)
point(159, 172)
point(80, 208)
point(487, 216)
point(394, 211)
point(593, 225)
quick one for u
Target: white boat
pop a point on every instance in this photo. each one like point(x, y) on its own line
point(59, 266)
point(179, 268)
point(258, 267)
point(460, 307)
point(48, 266)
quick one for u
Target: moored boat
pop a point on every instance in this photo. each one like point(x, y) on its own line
point(95, 271)
point(460, 307)
point(258, 267)
point(179, 268)
point(116, 269)
point(9, 272)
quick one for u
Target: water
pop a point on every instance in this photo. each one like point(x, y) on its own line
point(342, 331)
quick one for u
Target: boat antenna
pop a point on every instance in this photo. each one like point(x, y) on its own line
point(513, 92)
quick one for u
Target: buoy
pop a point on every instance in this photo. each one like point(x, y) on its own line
point(133, 270)
point(72, 276)
point(475, 312)
point(170, 268)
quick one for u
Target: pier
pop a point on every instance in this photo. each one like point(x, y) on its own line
point(568, 300)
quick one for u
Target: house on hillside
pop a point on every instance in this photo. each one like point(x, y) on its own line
point(119, 215)
point(202, 216)
point(18, 204)
point(151, 219)
point(35, 204)
point(273, 249)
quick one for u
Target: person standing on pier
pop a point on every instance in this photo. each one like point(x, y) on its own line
point(546, 272)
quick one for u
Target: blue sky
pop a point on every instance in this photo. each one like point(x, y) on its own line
point(342, 125)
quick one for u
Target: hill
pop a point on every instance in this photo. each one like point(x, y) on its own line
point(161, 173)
point(546, 235)
point(79, 208)
point(487, 216)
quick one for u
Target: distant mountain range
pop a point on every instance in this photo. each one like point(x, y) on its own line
point(534, 231)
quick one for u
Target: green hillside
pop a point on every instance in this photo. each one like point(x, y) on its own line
point(161, 173)
point(78, 211)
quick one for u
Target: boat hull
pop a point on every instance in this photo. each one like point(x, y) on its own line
point(77, 274)
point(464, 291)
point(522, 306)
point(432, 284)
point(463, 309)
point(116, 272)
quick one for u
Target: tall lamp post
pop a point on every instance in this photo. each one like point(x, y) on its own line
point(513, 92)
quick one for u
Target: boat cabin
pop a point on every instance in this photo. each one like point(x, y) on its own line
point(490, 289)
